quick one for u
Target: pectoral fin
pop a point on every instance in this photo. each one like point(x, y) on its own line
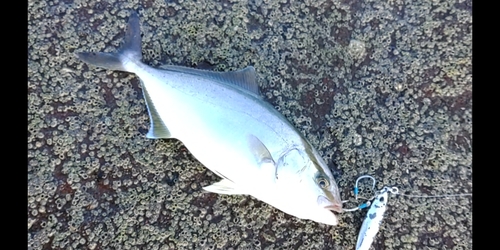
point(263, 157)
point(224, 186)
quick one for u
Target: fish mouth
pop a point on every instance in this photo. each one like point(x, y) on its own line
point(330, 205)
point(335, 208)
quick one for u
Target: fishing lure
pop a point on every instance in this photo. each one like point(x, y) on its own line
point(373, 219)
point(375, 214)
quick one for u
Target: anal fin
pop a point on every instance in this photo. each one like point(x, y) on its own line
point(157, 128)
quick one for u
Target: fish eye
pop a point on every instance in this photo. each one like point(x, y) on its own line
point(322, 182)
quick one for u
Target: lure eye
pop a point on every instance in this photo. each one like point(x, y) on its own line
point(322, 182)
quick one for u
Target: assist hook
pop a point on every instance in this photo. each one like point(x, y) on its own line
point(356, 191)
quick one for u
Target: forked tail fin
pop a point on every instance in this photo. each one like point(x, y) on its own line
point(130, 50)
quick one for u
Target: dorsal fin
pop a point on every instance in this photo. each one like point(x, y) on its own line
point(243, 79)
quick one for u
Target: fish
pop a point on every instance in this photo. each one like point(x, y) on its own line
point(373, 220)
point(226, 125)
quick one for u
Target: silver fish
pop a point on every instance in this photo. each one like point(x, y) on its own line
point(224, 122)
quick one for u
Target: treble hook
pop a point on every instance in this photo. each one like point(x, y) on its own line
point(356, 186)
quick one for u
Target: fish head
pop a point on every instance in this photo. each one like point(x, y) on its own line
point(309, 185)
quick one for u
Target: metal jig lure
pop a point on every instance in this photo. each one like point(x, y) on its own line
point(373, 219)
point(378, 205)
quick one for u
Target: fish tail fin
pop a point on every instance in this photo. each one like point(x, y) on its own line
point(130, 50)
